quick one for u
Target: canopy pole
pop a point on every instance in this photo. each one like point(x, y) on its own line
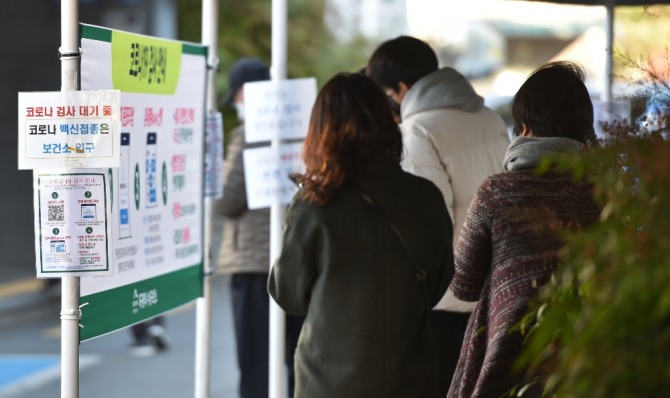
point(70, 315)
point(277, 332)
point(203, 343)
point(609, 51)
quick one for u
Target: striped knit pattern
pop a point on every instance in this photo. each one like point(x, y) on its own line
point(507, 247)
point(246, 233)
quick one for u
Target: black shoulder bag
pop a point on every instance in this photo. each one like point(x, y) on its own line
point(419, 271)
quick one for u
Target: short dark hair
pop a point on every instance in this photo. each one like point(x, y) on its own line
point(351, 123)
point(403, 59)
point(554, 102)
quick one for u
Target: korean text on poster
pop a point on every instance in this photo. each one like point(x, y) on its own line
point(72, 225)
point(278, 109)
point(266, 173)
point(69, 129)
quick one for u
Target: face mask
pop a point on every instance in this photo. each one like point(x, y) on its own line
point(395, 109)
point(239, 107)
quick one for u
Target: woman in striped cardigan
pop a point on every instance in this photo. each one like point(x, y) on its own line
point(509, 245)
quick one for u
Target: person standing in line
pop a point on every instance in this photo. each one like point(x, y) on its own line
point(366, 253)
point(510, 243)
point(245, 252)
point(451, 139)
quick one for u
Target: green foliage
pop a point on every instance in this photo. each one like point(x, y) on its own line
point(245, 30)
point(641, 31)
point(601, 327)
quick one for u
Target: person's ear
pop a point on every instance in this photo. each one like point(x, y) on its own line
point(525, 132)
point(402, 90)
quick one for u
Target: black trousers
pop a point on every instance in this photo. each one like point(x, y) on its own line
point(140, 330)
point(251, 315)
point(448, 331)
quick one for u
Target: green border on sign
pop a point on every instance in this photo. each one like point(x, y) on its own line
point(39, 221)
point(95, 33)
point(117, 308)
point(98, 33)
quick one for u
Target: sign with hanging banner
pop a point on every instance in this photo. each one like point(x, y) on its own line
point(157, 190)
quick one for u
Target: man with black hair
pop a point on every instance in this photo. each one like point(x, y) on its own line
point(451, 139)
point(245, 251)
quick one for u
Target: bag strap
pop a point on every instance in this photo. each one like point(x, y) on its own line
point(420, 272)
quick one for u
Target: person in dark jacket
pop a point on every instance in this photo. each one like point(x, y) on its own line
point(509, 244)
point(245, 252)
point(366, 331)
point(452, 139)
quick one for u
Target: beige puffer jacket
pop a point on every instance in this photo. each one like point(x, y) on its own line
point(453, 140)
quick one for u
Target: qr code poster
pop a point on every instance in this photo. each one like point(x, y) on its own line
point(72, 223)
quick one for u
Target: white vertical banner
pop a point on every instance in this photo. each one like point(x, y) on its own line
point(157, 192)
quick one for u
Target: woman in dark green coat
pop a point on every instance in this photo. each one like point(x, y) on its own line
point(366, 253)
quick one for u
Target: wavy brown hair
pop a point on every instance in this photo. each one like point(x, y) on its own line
point(351, 125)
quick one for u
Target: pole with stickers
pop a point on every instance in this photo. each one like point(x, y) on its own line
point(70, 313)
point(213, 190)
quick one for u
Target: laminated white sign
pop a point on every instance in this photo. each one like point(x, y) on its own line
point(266, 172)
point(69, 129)
point(278, 109)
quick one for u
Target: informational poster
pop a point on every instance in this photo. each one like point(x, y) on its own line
point(214, 156)
point(607, 115)
point(72, 224)
point(157, 192)
point(267, 172)
point(69, 129)
point(278, 109)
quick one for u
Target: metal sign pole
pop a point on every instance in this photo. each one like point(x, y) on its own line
point(609, 51)
point(277, 385)
point(70, 314)
point(203, 343)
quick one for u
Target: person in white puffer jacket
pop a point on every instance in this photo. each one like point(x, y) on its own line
point(451, 139)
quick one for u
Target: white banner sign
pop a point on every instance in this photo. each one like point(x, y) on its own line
point(72, 224)
point(70, 129)
point(266, 172)
point(278, 109)
point(157, 192)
